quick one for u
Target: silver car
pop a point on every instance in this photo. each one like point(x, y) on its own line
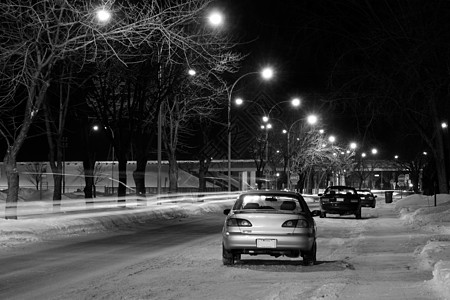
point(274, 223)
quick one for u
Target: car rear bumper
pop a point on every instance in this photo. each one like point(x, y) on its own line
point(246, 242)
point(370, 203)
point(339, 207)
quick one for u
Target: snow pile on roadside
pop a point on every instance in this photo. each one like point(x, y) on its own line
point(419, 210)
point(35, 229)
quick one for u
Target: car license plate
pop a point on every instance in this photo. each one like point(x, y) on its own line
point(340, 199)
point(266, 243)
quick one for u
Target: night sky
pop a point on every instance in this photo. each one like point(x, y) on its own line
point(304, 39)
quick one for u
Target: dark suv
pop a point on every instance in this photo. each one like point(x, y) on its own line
point(342, 200)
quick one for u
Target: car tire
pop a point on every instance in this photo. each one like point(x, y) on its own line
point(323, 214)
point(358, 213)
point(310, 257)
point(228, 258)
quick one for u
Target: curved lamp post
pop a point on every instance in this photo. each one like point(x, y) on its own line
point(311, 119)
point(266, 73)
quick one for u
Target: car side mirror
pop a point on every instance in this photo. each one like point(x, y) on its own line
point(374, 196)
point(320, 195)
point(226, 211)
point(315, 213)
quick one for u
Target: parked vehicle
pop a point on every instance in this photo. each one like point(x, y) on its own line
point(342, 200)
point(368, 199)
point(272, 223)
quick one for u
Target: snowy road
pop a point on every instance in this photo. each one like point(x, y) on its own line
point(372, 258)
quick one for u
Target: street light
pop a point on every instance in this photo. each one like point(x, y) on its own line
point(215, 18)
point(103, 15)
point(266, 73)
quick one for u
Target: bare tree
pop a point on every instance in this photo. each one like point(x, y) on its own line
point(35, 172)
point(314, 157)
point(134, 95)
point(38, 35)
point(97, 176)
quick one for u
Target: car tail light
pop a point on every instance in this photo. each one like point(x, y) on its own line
point(296, 223)
point(238, 222)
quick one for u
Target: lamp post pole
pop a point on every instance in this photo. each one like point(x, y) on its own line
point(113, 160)
point(230, 93)
point(158, 177)
point(288, 175)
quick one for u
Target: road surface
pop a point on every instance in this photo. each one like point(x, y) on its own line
point(371, 258)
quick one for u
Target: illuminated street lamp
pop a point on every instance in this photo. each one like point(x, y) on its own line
point(103, 15)
point(266, 73)
point(312, 119)
point(215, 18)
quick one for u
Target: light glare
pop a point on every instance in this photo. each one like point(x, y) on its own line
point(103, 15)
point(312, 119)
point(215, 18)
point(267, 73)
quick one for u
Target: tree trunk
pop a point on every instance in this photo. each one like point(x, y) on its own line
point(173, 173)
point(88, 179)
point(57, 192)
point(10, 159)
point(141, 163)
point(139, 176)
point(259, 182)
point(202, 171)
point(122, 189)
point(12, 176)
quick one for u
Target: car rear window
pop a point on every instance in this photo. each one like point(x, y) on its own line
point(268, 202)
point(339, 191)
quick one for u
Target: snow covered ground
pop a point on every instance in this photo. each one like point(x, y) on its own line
point(38, 220)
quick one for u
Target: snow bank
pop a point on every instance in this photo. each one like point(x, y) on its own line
point(434, 214)
point(37, 221)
